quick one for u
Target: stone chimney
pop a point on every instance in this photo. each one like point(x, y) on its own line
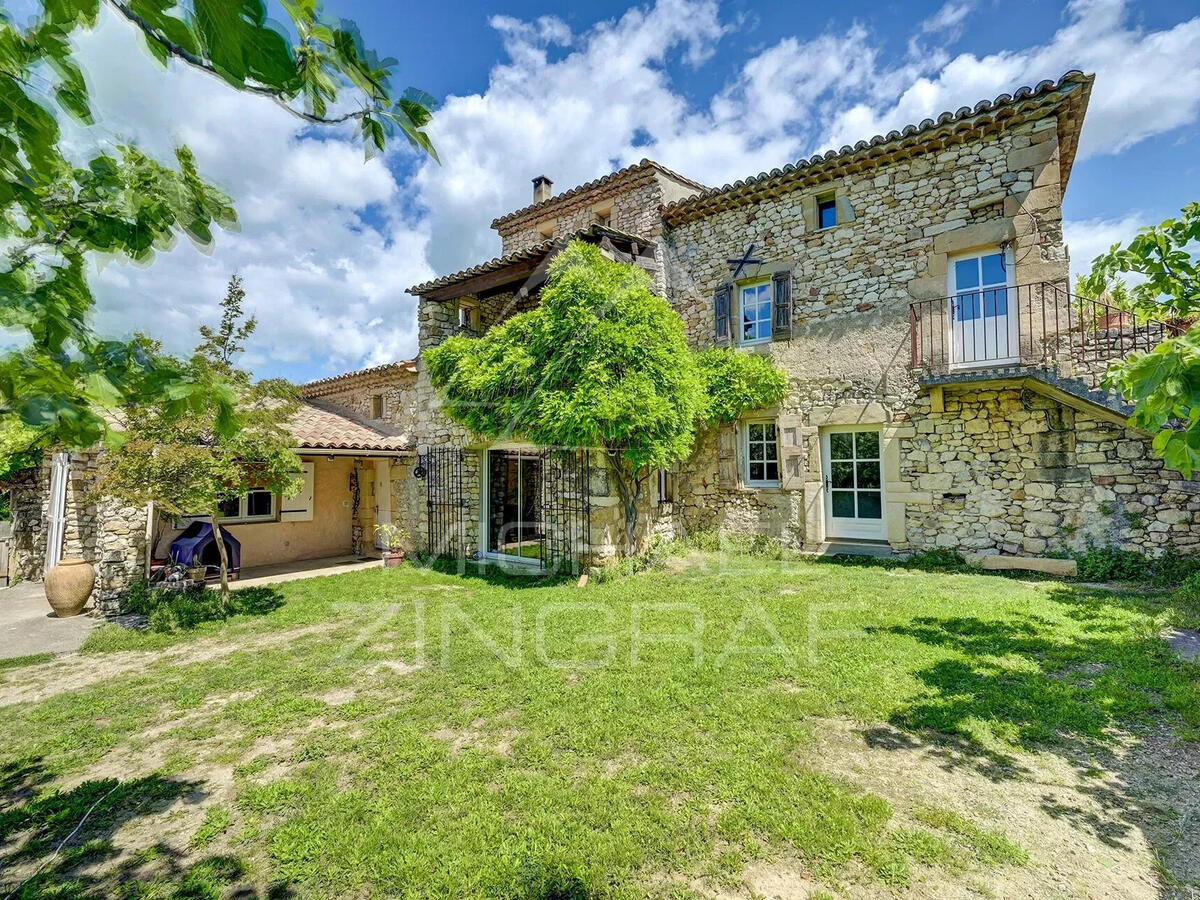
point(543, 187)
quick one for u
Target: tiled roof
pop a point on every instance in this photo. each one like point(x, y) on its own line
point(336, 382)
point(646, 166)
point(1074, 86)
point(317, 426)
point(527, 255)
point(492, 265)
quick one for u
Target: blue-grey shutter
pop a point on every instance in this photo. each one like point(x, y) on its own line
point(722, 298)
point(781, 328)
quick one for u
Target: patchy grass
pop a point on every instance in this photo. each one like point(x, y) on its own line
point(16, 662)
point(407, 732)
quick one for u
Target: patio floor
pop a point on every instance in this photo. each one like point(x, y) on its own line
point(29, 626)
point(256, 576)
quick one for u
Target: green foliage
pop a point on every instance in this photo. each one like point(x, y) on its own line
point(601, 362)
point(1105, 563)
point(56, 213)
point(231, 439)
point(1164, 384)
point(170, 610)
point(735, 382)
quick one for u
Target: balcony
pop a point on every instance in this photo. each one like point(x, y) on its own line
point(1029, 326)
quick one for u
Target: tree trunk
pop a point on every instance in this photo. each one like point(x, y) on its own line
point(219, 537)
point(629, 491)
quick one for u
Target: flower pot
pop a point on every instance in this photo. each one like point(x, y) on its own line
point(68, 586)
point(393, 557)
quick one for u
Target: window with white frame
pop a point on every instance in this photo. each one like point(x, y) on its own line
point(258, 505)
point(754, 300)
point(762, 454)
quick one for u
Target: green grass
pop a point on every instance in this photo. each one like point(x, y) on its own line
point(435, 735)
point(16, 662)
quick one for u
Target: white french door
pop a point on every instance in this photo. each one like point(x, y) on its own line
point(853, 466)
point(983, 311)
point(383, 498)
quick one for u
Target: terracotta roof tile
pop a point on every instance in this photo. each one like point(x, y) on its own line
point(1074, 84)
point(646, 166)
point(318, 426)
point(335, 382)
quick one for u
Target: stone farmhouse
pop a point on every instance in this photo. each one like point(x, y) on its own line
point(944, 384)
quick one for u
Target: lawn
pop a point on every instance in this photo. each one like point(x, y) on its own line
point(700, 730)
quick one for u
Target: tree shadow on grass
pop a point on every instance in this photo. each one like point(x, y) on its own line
point(1105, 697)
point(56, 843)
point(494, 573)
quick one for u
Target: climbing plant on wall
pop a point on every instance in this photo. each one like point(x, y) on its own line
point(601, 362)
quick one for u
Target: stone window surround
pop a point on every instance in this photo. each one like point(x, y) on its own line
point(746, 284)
point(743, 448)
point(897, 493)
point(240, 519)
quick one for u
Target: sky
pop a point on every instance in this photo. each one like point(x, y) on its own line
point(718, 91)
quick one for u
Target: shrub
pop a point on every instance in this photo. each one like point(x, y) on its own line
point(1189, 591)
point(1113, 564)
point(939, 559)
point(173, 609)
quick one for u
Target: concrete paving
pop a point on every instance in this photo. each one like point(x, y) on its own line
point(28, 625)
point(1185, 643)
point(307, 568)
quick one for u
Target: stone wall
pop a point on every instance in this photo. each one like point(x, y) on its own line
point(999, 472)
point(107, 533)
point(852, 285)
point(355, 395)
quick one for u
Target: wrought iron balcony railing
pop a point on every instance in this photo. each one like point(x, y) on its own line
point(1034, 325)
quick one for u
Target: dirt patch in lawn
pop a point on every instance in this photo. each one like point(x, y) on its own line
point(1120, 822)
point(70, 673)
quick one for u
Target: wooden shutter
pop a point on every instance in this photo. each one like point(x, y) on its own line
point(727, 467)
point(845, 212)
point(722, 301)
point(781, 328)
point(299, 507)
point(809, 207)
point(791, 453)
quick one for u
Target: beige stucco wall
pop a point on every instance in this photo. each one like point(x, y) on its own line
point(327, 534)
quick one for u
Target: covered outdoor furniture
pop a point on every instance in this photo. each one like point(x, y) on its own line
point(197, 546)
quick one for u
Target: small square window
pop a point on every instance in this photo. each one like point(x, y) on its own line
point(259, 504)
point(762, 454)
point(826, 211)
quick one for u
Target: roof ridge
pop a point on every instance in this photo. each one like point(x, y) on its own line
point(645, 164)
point(1069, 79)
point(409, 364)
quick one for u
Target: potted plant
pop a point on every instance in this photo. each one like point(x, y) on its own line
point(391, 538)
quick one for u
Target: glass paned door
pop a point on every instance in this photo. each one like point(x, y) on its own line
point(982, 309)
point(853, 484)
point(515, 521)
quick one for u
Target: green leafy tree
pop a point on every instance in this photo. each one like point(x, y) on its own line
point(55, 213)
point(21, 449)
point(233, 441)
point(1163, 384)
point(602, 362)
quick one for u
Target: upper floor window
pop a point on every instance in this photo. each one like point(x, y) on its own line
point(468, 317)
point(762, 454)
point(826, 211)
point(604, 217)
point(378, 406)
point(754, 301)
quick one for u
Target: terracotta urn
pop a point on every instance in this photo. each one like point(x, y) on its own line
point(68, 586)
point(393, 558)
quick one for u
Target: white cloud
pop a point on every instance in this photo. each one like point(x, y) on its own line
point(1088, 238)
point(948, 19)
point(324, 251)
point(1146, 82)
point(328, 244)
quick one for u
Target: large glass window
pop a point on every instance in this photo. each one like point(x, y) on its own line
point(515, 521)
point(756, 312)
point(762, 454)
point(981, 287)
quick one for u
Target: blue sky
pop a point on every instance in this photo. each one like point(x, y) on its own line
point(717, 90)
